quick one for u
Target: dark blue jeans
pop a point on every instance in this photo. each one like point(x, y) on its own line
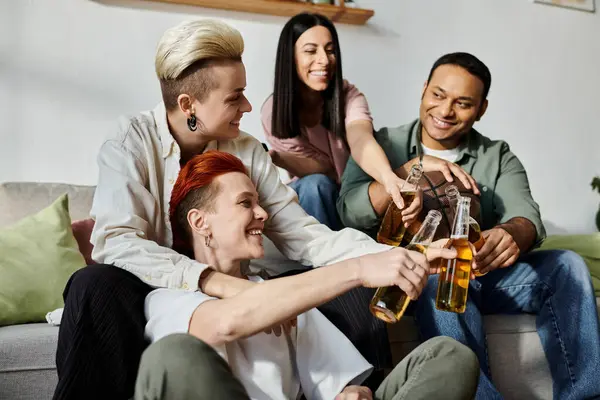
point(555, 286)
point(317, 195)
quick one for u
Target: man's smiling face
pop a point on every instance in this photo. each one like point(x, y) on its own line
point(450, 105)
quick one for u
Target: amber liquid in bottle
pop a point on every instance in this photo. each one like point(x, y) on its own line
point(476, 238)
point(391, 231)
point(390, 302)
point(454, 278)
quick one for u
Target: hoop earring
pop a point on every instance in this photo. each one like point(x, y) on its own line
point(207, 241)
point(192, 123)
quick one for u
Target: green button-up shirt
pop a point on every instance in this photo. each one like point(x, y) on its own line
point(501, 178)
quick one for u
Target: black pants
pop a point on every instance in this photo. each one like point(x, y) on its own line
point(101, 336)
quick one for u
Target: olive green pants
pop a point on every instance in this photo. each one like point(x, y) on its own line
point(181, 367)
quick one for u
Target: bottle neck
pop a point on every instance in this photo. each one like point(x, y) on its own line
point(461, 220)
point(412, 181)
point(453, 202)
point(426, 232)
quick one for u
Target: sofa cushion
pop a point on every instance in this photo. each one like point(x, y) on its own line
point(37, 256)
point(20, 199)
point(28, 347)
point(27, 361)
point(519, 367)
point(587, 246)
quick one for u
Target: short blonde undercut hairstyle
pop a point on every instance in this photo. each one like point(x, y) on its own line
point(187, 51)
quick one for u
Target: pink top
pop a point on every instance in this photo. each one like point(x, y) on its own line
point(317, 142)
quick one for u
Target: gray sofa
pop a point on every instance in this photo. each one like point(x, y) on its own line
point(27, 352)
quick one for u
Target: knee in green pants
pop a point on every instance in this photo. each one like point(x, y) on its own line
point(181, 367)
point(440, 368)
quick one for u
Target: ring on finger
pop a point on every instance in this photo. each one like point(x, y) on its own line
point(412, 267)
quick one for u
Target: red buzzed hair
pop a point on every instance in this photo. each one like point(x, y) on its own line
point(195, 188)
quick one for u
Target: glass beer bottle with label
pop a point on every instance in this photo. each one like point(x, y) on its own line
point(389, 303)
point(453, 282)
point(392, 228)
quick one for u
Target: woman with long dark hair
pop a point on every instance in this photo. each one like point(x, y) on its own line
point(315, 120)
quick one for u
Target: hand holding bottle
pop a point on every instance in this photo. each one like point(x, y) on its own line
point(390, 301)
point(409, 210)
point(499, 251)
point(436, 267)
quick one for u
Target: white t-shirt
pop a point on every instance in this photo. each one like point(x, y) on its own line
point(315, 359)
point(448, 155)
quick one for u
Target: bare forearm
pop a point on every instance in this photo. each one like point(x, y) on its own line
point(522, 230)
point(379, 198)
point(300, 166)
point(222, 286)
point(370, 156)
point(271, 302)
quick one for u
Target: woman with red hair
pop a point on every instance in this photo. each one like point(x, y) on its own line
point(195, 185)
point(211, 348)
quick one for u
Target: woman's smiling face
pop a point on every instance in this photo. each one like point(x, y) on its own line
point(315, 58)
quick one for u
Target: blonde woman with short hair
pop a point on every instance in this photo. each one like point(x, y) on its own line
point(202, 78)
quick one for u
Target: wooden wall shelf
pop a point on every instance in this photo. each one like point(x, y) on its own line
point(286, 8)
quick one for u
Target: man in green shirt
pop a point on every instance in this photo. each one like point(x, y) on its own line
point(554, 285)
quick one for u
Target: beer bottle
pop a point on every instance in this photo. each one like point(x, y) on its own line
point(475, 236)
point(453, 283)
point(452, 194)
point(392, 228)
point(409, 233)
point(389, 303)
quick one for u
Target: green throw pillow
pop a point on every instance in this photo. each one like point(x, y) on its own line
point(37, 256)
point(587, 246)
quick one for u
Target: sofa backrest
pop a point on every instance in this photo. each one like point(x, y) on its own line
point(20, 199)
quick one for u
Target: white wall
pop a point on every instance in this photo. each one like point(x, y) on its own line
point(68, 68)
